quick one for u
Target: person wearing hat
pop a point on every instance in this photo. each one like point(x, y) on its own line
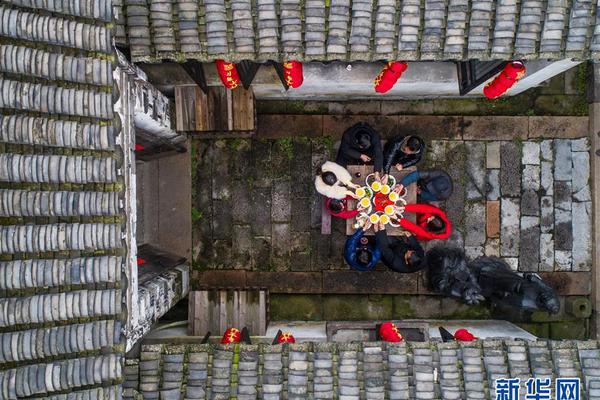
point(434, 185)
point(334, 181)
point(361, 146)
point(362, 252)
point(400, 253)
point(402, 152)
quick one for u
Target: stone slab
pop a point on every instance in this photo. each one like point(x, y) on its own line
point(374, 282)
point(275, 126)
point(558, 127)
point(495, 128)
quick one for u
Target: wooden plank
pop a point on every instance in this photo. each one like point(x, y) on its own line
point(325, 217)
point(222, 310)
point(236, 308)
point(243, 111)
point(191, 314)
point(262, 316)
point(185, 107)
point(202, 120)
point(243, 308)
point(230, 110)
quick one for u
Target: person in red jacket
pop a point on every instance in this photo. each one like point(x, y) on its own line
point(432, 223)
point(339, 208)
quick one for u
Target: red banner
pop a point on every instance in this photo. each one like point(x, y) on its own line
point(389, 75)
point(228, 74)
point(292, 72)
point(512, 72)
point(231, 335)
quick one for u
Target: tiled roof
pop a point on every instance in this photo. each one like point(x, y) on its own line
point(427, 370)
point(358, 30)
point(61, 248)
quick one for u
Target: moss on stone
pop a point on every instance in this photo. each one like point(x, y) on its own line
point(357, 307)
point(298, 307)
point(568, 330)
point(454, 309)
point(541, 330)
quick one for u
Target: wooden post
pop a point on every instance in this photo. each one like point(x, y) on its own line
point(594, 132)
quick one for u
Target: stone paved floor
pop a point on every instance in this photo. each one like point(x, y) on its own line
point(526, 201)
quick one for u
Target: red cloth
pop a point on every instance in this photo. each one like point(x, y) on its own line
point(345, 213)
point(228, 74)
point(231, 335)
point(510, 74)
point(286, 337)
point(292, 71)
point(389, 332)
point(424, 211)
point(464, 335)
point(389, 75)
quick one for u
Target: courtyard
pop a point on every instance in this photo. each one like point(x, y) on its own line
point(522, 193)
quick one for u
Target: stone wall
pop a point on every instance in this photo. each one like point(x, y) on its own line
point(355, 370)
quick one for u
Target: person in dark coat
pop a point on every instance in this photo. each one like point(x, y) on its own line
point(400, 253)
point(362, 252)
point(402, 152)
point(435, 185)
point(361, 146)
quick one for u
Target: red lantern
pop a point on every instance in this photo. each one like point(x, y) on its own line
point(232, 335)
point(512, 72)
point(286, 337)
point(228, 74)
point(141, 261)
point(292, 71)
point(389, 332)
point(139, 147)
point(464, 335)
point(389, 75)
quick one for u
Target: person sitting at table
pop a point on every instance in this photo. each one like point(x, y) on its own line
point(434, 185)
point(334, 181)
point(362, 252)
point(402, 152)
point(400, 253)
point(361, 145)
point(339, 208)
point(432, 223)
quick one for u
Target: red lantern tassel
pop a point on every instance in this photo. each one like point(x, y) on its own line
point(510, 74)
point(292, 71)
point(389, 75)
point(228, 74)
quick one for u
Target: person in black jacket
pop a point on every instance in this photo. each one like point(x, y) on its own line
point(434, 185)
point(402, 152)
point(361, 146)
point(400, 253)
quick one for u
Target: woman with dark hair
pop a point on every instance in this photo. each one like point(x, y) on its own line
point(400, 253)
point(339, 208)
point(334, 181)
point(432, 223)
point(435, 185)
point(403, 152)
point(361, 145)
point(362, 252)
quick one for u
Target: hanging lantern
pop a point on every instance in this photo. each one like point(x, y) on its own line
point(228, 74)
point(286, 337)
point(231, 335)
point(389, 332)
point(141, 261)
point(292, 71)
point(139, 147)
point(464, 335)
point(510, 74)
point(389, 75)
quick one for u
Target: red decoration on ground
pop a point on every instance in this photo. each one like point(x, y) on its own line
point(141, 261)
point(389, 75)
point(231, 335)
point(464, 335)
point(389, 332)
point(292, 71)
point(286, 337)
point(512, 72)
point(228, 74)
